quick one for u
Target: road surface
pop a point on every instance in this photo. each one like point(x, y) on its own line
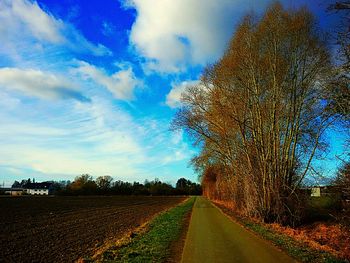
point(213, 237)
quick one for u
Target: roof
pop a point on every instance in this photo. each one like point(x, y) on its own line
point(44, 185)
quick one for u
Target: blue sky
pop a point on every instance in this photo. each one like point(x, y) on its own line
point(92, 86)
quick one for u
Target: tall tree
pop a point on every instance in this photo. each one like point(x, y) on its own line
point(259, 113)
point(340, 84)
point(343, 179)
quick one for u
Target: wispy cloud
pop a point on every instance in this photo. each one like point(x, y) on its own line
point(97, 138)
point(83, 140)
point(26, 15)
point(24, 26)
point(121, 83)
point(39, 84)
point(59, 135)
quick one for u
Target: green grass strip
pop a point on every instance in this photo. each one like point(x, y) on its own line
point(153, 246)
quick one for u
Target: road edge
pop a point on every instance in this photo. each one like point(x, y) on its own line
point(133, 246)
point(285, 244)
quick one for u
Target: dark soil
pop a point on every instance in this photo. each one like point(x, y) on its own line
point(64, 229)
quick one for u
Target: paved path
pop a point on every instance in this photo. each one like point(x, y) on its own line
point(213, 237)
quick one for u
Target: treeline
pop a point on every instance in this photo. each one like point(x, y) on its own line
point(259, 114)
point(105, 185)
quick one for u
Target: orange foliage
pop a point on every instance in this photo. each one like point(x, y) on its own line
point(226, 203)
point(332, 238)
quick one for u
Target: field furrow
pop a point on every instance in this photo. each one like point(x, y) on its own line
point(63, 229)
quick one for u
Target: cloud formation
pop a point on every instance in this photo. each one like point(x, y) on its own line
point(172, 34)
point(39, 84)
point(24, 23)
point(97, 138)
point(121, 83)
point(46, 57)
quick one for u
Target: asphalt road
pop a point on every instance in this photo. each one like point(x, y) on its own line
point(213, 237)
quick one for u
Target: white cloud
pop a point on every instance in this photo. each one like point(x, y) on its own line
point(30, 16)
point(121, 83)
point(39, 84)
point(172, 34)
point(24, 26)
point(65, 138)
point(174, 96)
point(97, 138)
point(57, 161)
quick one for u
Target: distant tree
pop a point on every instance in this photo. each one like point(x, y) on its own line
point(139, 189)
point(57, 188)
point(16, 184)
point(195, 189)
point(343, 179)
point(86, 185)
point(83, 184)
point(186, 187)
point(182, 183)
point(159, 188)
point(182, 186)
point(25, 182)
point(104, 183)
point(122, 188)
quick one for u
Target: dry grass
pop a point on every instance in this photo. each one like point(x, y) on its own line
point(329, 237)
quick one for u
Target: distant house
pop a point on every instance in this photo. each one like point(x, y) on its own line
point(44, 188)
point(316, 191)
point(13, 191)
point(38, 188)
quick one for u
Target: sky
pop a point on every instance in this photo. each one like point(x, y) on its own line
point(92, 86)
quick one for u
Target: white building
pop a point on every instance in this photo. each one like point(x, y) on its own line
point(38, 188)
point(38, 191)
point(30, 189)
point(316, 191)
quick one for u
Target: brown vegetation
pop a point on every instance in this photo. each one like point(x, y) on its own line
point(260, 112)
point(307, 243)
point(343, 180)
point(333, 238)
point(259, 115)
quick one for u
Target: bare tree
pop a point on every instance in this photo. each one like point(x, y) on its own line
point(343, 179)
point(259, 113)
point(340, 83)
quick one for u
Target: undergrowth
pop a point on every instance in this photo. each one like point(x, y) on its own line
point(294, 248)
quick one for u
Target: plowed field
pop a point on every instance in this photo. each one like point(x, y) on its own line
point(64, 229)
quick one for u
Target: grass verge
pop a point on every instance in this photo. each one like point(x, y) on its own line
point(294, 248)
point(154, 244)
